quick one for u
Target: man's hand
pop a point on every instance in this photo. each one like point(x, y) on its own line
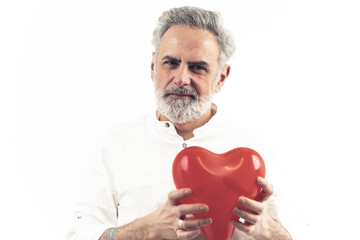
point(257, 222)
point(165, 220)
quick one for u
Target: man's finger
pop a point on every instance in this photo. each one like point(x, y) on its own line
point(183, 234)
point(267, 187)
point(186, 209)
point(196, 223)
point(249, 217)
point(250, 204)
point(242, 227)
point(175, 195)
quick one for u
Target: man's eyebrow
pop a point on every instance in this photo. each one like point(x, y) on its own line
point(169, 58)
point(178, 61)
point(202, 63)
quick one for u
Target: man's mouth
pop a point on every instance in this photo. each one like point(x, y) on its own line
point(180, 95)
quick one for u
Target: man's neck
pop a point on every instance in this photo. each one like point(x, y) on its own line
point(186, 130)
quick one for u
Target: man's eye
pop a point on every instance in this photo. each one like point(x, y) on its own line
point(198, 68)
point(171, 63)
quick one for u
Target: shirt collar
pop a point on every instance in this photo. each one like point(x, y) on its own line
point(167, 128)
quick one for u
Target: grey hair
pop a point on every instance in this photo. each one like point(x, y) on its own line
point(198, 18)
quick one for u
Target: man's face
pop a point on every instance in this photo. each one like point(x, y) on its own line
point(186, 68)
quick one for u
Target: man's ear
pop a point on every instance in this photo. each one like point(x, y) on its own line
point(153, 65)
point(225, 72)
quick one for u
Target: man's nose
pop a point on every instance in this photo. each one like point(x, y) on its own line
point(182, 77)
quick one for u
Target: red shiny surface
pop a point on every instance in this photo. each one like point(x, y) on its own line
point(218, 180)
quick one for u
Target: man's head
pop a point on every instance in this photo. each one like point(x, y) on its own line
point(188, 66)
point(196, 18)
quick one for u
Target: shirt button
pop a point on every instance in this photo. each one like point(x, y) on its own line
point(167, 125)
point(184, 145)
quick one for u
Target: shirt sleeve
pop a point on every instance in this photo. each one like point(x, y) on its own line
point(96, 209)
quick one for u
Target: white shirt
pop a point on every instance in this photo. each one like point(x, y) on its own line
point(130, 174)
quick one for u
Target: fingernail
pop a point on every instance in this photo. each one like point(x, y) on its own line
point(241, 200)
point(205, 208)
point(187, 191)
point(260, 180)
point(208, 221)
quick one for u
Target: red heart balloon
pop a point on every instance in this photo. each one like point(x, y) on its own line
point(218, 180)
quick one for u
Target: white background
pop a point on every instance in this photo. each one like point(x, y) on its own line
point(69, 70)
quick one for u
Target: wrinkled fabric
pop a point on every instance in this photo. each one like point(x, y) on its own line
point(129, 174)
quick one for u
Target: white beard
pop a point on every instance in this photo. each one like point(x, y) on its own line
point(182, 110)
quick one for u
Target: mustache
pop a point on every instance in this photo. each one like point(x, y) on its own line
point(183, 91)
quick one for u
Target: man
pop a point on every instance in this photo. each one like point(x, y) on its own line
point(131, 175)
